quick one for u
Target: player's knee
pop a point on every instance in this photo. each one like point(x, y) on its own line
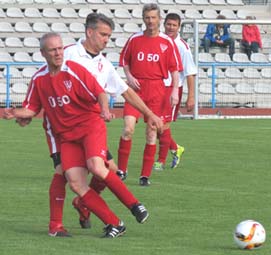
point(128, 132)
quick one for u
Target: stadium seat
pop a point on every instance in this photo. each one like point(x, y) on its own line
point(5, 57)
point(244, 88)
point(131, 1)
point(131, 28)
point(218, 2)
point(235, 2)
point(192, 14)
point(121, 13)
point(228, 13)
point(13, 72)
point(31, 42)
point(266, 72)
point(19, 88)
point(118, 28)
point(41, 27)
point(21, 56)
point(200, 2)
point(6, 27)
point(240, 58)
point(37, 57)
point(258, 58)
point(113, 56)
point(225, 88)
point(242, 14)
point(3, 88)
point(13, 42)
point(251, 73)
point(43, 1)
point(120, 41)
point(61, 1)
point(165, 2)
point(106, 11)
point(184, 2)
point(90, 1)
point(59, 27)
point(14, 12)
point(262, 88)
point(137, 13)
point(67, 40)
point(202, 74)
point(113, 1)
point(84, 12)
point(2, 45)
point(23, 27)
point(218, 73)
point(209, 14)
point(29, 71)
point(205, 88)
point(2, 13)
point(77, 27)
point(205, 57)
point(236, 29)
point(50, 13)
point(68, 13)
point(25, 1)
point(32, 12)
point(222, 57)
point(233, 72)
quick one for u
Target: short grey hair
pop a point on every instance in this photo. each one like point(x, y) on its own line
point(47, 36)
point(93, 18)
point(151, 7)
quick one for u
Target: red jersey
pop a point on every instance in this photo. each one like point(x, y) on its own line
point(69, 98)
point(151, 57)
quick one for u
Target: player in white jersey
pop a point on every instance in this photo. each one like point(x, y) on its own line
point(172, 25)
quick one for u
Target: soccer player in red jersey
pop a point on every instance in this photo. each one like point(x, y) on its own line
point(87, 52)
point(147, 58)
point(76, 107)
point(172, 26)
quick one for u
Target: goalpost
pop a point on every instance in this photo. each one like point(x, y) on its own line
point(232, 89)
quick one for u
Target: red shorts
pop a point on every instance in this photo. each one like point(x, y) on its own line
point(92, 143)
point(171, 113)
point(152, 93)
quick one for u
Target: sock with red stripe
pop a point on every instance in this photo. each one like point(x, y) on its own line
point(124, 153)
point(148, 159)
point(57, 194)
point(115, 184)
point(98, 206)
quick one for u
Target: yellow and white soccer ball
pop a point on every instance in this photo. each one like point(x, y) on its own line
point(249, 234)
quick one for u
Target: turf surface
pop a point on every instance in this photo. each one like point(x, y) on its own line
point(224, 178)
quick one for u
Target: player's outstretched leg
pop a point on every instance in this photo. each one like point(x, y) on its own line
point(176, 156)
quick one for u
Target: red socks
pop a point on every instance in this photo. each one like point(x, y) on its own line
point(164, 143)
point(57, 193)
point(148, 159)
point(124, 153)
point(97, 184)
point(173, 145)
point(98, 206)
point(114, 183)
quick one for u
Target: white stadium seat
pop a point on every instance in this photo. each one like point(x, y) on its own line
point(13, 72)
point(113, 1)
point(106, 11)
point(59, 27)
point(6, 27)
point(251, 73)
point(5, 57)
point(29, 71)
point(122, 14)
point(235, 2)
point(266, 72)
point(14, 12)
point(31, 42)
point(233, 72)
point(131, 28)
point(262, 88)
point(84, 12)
point(19, 88)
point(185, 2)
point(25, 1)
point(222, 57)
point(32, 12)
point(209, 14)
point(228, 13)
point(2, 13)
point(137, 13)
point(50, 13)
point(113, 56)
point(192, 14)
point(165, 2)
point(244, 88)
point(77, 27)
point(225, 88)
point(205, 57)
point(200, 2)
point(68, 13)
point(218, 2)
point(240, 58)
point(41, 27)
point(22, 26)
point(21, 56)
point(120, 41)
point(13, 42)
point(258, 58)
point(37, 57)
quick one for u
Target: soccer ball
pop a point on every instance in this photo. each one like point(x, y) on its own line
point(249, 234)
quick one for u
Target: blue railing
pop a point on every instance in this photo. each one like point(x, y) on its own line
point(215, 65)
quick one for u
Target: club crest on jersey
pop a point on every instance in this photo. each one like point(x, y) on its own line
point(163, 47)
point(100, 66)
point(68, 85)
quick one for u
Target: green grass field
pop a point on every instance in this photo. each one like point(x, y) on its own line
point(223, 179)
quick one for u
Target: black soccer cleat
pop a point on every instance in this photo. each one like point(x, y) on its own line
point(144, 181)
point(140, 212)
point(114, 231)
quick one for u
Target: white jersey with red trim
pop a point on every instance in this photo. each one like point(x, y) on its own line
point(189, 67)
point(69, 98)
point(100, 67)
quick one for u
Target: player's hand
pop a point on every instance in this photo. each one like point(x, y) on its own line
point(107, 116)
point(155, 123)
point(174, 98)
point(190, 103)
point(133, 82)
point(8, 113)
point(23, 121)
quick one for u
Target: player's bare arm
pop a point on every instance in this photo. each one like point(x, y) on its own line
point(190, 102)
point(11, 113)
point(103, 102)
point(23, 122)
point(174, 98)
point(131, 80)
